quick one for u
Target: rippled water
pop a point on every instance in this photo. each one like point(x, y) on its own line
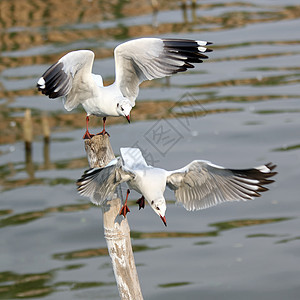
point(239, 109)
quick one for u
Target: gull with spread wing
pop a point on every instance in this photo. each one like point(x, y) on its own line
point(135, 61)
point(198, 185)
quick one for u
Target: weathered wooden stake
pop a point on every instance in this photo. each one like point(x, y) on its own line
point(46, 129)
point(28, 137)
point(116, 228)
point(194, 11)
point(46, 134)
point(27, 130)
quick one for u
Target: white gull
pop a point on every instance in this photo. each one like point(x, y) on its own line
point(135, 61)
point(198, 185)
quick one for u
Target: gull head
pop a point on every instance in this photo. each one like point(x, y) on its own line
point(123, 108)
point(159, 206)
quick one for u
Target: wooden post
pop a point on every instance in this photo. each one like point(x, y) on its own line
point(28, 137)
point(27, 130)
point(46, 129)
point(46, 134)
point(116, 228)
point(184, 11)
point(194, 11)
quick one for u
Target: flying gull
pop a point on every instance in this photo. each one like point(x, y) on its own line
point(198, 185)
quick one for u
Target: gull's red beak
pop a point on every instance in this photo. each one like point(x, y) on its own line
point(164, 220)
point(128, 118)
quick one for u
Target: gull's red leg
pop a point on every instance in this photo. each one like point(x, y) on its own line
point(87, 135)
point(124, 210)
point(141, 202)
point(103, 131)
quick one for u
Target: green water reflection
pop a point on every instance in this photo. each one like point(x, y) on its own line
point(221, 226)
point(23, 218)
point(173, 284)
point(36, 285)
point(287, 148)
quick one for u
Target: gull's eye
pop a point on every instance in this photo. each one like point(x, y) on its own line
point(117, 104)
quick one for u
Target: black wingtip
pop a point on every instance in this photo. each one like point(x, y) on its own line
point(53, 82)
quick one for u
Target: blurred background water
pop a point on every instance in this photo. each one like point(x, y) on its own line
point(238, 109)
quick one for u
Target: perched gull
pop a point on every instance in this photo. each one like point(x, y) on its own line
point(198, 185)
point(135, 61)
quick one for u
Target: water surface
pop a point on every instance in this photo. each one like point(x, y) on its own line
point(238, 109)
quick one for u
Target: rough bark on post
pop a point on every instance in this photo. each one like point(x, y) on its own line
point(116, 228)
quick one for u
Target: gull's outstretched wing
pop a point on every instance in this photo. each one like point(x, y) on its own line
point(202, 184)
point(149, 58)
point(99, 184)
point(71, 78)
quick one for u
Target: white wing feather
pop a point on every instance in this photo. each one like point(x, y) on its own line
point(133, 158)
point(71, 77)
point(149, 58)
point(202, 184)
